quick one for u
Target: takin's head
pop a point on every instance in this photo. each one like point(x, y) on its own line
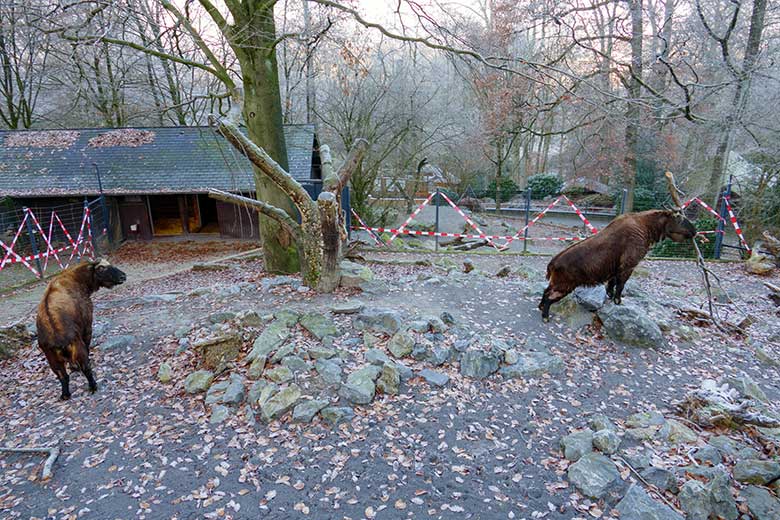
point(106, 275)
point(677, 227)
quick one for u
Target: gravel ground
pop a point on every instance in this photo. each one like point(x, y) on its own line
point(472, 449)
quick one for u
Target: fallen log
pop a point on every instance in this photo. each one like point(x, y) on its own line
point(52, 451)
point(720, 405)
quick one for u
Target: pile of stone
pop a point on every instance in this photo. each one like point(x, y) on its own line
point(636, 468)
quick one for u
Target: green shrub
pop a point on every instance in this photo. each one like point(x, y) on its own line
point(506, 190)
point(544, 184)
point(669, 249)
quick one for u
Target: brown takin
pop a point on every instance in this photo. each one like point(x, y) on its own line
point(64, 320)
point(611, 255)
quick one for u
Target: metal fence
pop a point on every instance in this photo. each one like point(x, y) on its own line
point(41, 239)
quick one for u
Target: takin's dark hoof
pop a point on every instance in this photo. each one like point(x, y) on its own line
point(546, 319)
point(64, 397)
point(92, 389)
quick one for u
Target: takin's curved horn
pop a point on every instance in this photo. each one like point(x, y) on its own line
point(673, 191)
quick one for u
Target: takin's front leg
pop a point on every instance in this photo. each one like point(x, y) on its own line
point(549, 297)
point(611, 287)
point(621, 280)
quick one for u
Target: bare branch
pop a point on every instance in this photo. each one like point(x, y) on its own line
point(335, 183)
point(279, 215)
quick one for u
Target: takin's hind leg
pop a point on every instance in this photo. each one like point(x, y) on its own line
point(81, 360)
point(60, 370)
point(622, 278)
point(611, 287)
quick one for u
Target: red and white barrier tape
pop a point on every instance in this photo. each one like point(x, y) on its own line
point(377, 239)
point(579, 214)
point(459, 235)
point(411, 217)
point(516, 236)
point(703, 205)
point(468, 220)
point(734, 223)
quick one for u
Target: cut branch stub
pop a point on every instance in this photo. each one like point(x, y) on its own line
point(674, 192)
point(336, 182)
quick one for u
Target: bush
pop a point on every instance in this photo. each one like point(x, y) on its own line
point(544, 184)
point(670, 249)
point(506, 189)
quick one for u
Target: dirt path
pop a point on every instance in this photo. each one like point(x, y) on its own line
point(471, 449)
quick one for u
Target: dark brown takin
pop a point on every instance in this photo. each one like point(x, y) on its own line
point(64, 319)
point(611, 255)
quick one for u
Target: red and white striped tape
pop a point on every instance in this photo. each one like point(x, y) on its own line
point(411, 217)
point(468, 220)
point(516, 236)
point(376, 238)
point(734, 223)
point(703, 205)
point(579, 214)
point(458, 235)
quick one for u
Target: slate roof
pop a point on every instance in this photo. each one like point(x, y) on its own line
point(177, 160)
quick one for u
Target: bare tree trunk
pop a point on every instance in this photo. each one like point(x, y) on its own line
point(633, 113)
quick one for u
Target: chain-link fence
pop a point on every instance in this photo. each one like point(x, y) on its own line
point(40, 239)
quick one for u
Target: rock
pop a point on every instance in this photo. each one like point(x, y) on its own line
point(735, 449)
point(765, 356)
point(282, 353)
point(377, 357)
point(280, 403)
point(319, 325)
point(198, 381)
point(511, 356)
point(759, 264)
point(468, 266)
point(676, 432)
point(606, 441)
point(164, 373)
point(249, 319)
point(329, 371)
point(230, 392)
point(271, 338)
point(279, 374)
point(638, 459)
point(354, 275)
point(745, 385)
point(221, 317)
point(306, 410)
point(12, 338)
point(278, 281)
point(661, 478)
point(159, 298)
point(707, 454)
point(601, 422)
point(436, 325)
point(753, 471)
point(334, 415)
point(637, 505)
point(577, 444)
point(440, 355)
point(630, 325)
point(591, 298)
point(434, 378)
point(348, 307)
point(645, 419)
point(296, 364)
point(695, 500)
point(182, 332)
point(504, 271)
point(400, 345)
point(378, 320)
point(287, 317)
point(256, 368)
point(389, 381)
point(256, 391)
point(533, 364)
point(478, 363)
point(420, 352)
point(418, 326)
point(360, 387)
point(722, 503)
point(369, 340)
point(219, 414)
point(594, 475)
point(405, 372)
point(116, 342)
point(761, 503)
point(321, 353)
point(572, 313)
point(447, 318)
point(209, 266)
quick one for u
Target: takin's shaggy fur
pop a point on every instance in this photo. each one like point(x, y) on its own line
point(611, 255)
point(64, 319)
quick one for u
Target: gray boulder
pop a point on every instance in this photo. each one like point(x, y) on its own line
point(360, 386)
point(594, 475)
point(606, 441)
point(319, 325)
point(306, 410)
point(334, 415)
point(753, 471)
point(348, 307)
point(745, 385)
point(400, 345)
point(230, 392)
point(296, 364)
point(279, 374)
point(354, 275)
point(695, 500)
point(274, 335)
point(377, 357)
point(287, 317)
point(479, 364)
point(219, 414)
point(577, 444)
point(256, 367)
point(279, 403)
point(14, 337)
point(116, 342)
point(256, 391)
point(601, 422)
point(221, 316)
point(389, 381)
point(661, 478)
point(198, 381)
point(164, 373)
point(533, 364)
point(378, 320)
point(434, 378)
point(630, 325)
point(440, 355)
point(637, 505)
point(591, 298)
point(328, 370)
point(761, 503)
point(321, 353)
point(217, 352)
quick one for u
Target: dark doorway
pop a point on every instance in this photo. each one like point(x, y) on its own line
point(209, 221)
point(166, 215)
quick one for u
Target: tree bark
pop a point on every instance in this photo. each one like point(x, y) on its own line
point(633, 112)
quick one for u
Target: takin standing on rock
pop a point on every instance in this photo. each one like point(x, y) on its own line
point(65, 318)
point(611, 255)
